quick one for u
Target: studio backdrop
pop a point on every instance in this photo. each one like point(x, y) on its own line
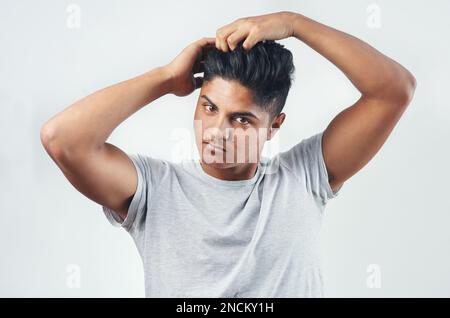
point(385, 235)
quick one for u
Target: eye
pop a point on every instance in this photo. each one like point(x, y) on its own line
point(244, 121)
point(211, 109)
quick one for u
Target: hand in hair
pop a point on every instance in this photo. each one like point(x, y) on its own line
point(182, 68)
point(273, 26)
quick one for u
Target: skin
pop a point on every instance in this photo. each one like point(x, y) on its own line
point(218, 104)
point(76, 137)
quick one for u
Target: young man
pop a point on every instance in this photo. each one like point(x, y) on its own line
point(223, 227)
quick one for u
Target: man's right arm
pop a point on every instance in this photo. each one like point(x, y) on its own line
point(76, 139)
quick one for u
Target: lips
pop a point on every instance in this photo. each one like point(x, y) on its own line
point(215, 147)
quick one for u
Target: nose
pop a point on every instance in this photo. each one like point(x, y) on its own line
point(220, 131)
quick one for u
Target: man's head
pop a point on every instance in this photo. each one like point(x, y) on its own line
point(241, 100)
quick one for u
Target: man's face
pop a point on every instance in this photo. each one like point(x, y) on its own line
point(227, 117)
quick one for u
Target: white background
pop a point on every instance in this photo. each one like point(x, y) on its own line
point(394, 213)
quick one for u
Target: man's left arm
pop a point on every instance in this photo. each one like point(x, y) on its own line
point(356, 134)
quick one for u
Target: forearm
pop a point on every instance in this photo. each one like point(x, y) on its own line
point(89, 122)
point(372, 73)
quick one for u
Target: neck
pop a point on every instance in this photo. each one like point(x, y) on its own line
point(243, 171)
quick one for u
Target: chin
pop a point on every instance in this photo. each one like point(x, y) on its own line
point(207, 160)
point(213, 160)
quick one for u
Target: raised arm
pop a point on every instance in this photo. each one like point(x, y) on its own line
point(356, 134)
point(76, 137)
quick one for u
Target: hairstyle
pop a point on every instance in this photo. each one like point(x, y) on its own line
point(266, 69)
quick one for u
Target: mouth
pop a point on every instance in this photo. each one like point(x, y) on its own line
point(214, 147)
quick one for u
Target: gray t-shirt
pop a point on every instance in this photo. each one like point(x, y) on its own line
point(200, 236)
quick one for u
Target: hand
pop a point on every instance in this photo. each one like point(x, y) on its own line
point(189, 62)
point(273, 26)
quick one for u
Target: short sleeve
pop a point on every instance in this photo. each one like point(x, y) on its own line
point(305, 160)
point(138, 206)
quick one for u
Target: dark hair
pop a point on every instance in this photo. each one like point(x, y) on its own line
point(266, 69)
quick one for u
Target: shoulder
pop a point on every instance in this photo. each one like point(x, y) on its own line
point(302, 156)
point(151, 168)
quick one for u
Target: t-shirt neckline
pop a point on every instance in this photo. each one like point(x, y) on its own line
point(205, 176)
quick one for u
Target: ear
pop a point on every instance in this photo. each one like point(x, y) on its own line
point(276, 124)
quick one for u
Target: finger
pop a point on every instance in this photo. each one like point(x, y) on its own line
point(201, 48)
point(199, 45)
point(206, 41)
point(236, 37)
point(222, 35)
point(250, 41)
point(204, 45)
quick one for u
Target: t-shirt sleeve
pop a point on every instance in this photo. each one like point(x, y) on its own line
point(138, 207)
point(305, 160)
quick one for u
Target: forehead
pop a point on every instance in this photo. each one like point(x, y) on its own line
point(229, 94)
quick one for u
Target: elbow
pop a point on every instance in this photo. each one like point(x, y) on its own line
point(54, 143)
point(407, 90)
point(49, 139)
point(399, 89)
point(64, 147)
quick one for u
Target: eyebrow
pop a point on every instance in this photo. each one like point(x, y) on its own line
point(248, 114)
